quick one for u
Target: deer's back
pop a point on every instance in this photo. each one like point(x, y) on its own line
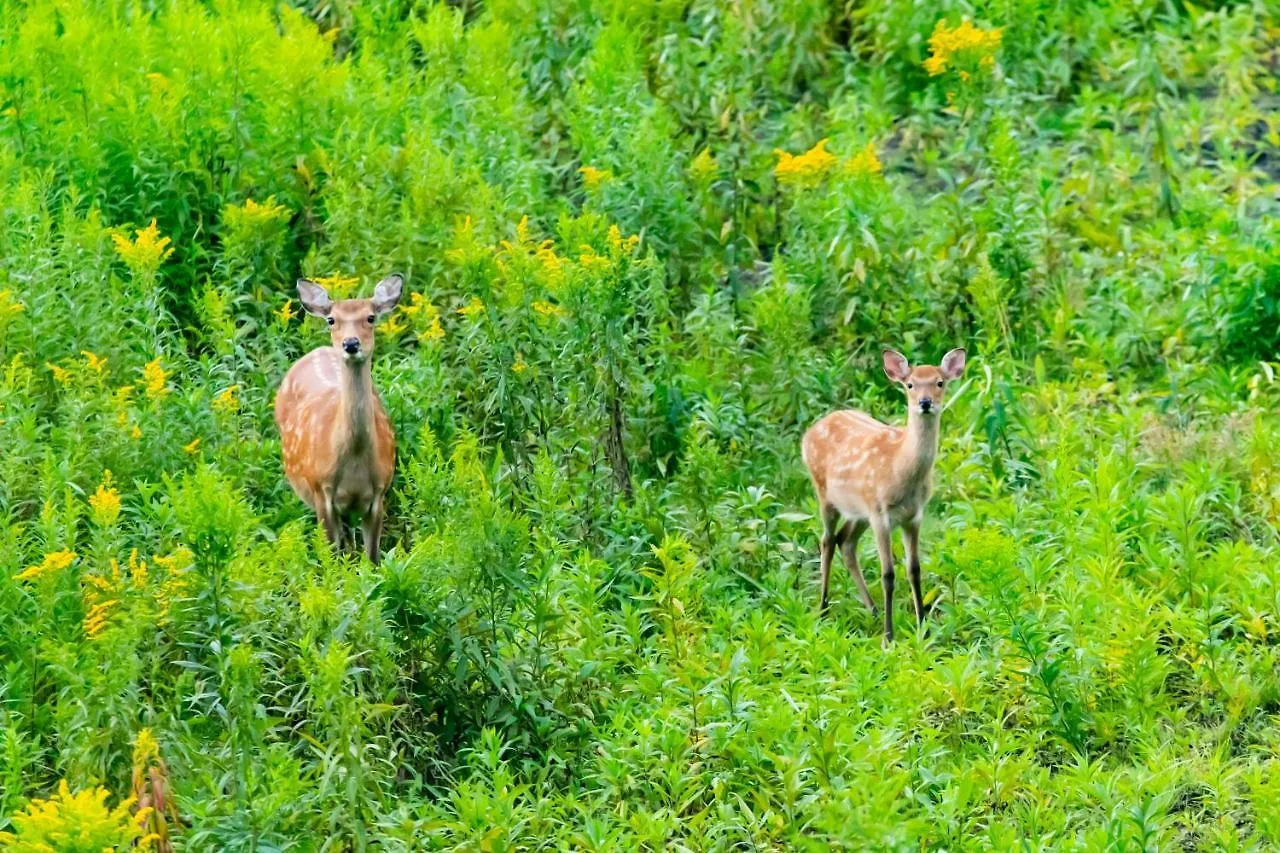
point(848, 454)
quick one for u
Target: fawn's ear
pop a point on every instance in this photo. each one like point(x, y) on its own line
point(895, 364)
point(387, 293)
point(314, 298)
point(953, 363)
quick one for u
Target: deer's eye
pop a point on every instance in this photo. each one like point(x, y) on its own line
point(910, 385)
point(939, 383)
point(329, 320)
point(371, 319)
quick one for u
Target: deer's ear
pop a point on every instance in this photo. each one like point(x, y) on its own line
point(387, 293)
point(314, 298)
point(953, 363)
point(895, 364)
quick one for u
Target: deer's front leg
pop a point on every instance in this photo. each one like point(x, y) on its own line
point(911, 538)
point(329, 518)
point(884, 542)
point(372, 526)
point(830, 523)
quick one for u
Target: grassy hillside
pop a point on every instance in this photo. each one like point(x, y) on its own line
point(646, 244)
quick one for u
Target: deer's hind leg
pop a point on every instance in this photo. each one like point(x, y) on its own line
point(848, 541)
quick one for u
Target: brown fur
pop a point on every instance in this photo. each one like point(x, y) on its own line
point(338, 446)
point(871, 475)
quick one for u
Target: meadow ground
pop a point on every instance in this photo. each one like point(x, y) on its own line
point(646, 244)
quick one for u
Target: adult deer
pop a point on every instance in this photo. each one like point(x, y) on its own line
point(338, 447)
point(870, 474)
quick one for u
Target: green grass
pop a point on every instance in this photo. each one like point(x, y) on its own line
point(596, 623)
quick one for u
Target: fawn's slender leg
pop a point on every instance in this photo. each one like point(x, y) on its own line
point(830, 520)
point(849, 536)
point(331, 520)
point(911, 538)
point(884, 541)
point(373, 530)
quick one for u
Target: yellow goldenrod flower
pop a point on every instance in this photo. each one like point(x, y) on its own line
point(95, 363)
point(79, 821)
point(865, 162)
point(105, 502)
point(191, 448)
point(96, 619)
point(394, 325)
point(473, 307)
point(55, 561)
point(159, 83)
point(338, 286)
point(155, 380)
point(519, 366)
point(551, 263)
point(9, 306)
point(808, 167)
point(594, 178)
point(589, 260)
point(965, 43)
point(252, 216)
point(286, 313)
point(145, 748)
point(704, 165)
point(138, 573)
point(620, 245)
point(135, 433)
point(546, 309)
point(144, 254)
point(226, 402)
point(60, 374)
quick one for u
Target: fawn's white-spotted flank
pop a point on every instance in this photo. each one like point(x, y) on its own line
point(870, 474)
point(338, 446)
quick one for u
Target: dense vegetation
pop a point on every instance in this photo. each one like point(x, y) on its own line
point(646, 244)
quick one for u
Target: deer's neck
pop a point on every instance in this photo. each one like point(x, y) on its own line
point(920, 446)
point(357, 404)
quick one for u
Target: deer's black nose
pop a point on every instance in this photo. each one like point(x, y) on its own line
point(926, 404)
point(351, 345)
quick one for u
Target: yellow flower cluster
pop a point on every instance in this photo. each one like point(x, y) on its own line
point(120, 402)
point(60, 374)
point(105, 502)
point(810, 167)
point(520, 366)
point(338, 286)
point(55, 561)
point(144, 254)
point(79, 821)
point(804, 168)
point(620, 245)
point(252, 216)
point(552, 264)
point(175, 582)
point(286, 313)
point(227, 403)
point(190, 449)
point(155, 380)
point(704, 165)
point(865, 162)
point(595, 178)
point(94, 363)
point(547, 309)
point(592, 262)
point(472, 308)
point(963, 45)
point(421, 309)
point(10, 307)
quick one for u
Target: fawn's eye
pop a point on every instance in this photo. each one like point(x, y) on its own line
point(371, 319)
point(329, 320)
point(910, 385)
point(939, 383)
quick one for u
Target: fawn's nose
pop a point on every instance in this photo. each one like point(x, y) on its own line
point(351, 345)
point(926, 404)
